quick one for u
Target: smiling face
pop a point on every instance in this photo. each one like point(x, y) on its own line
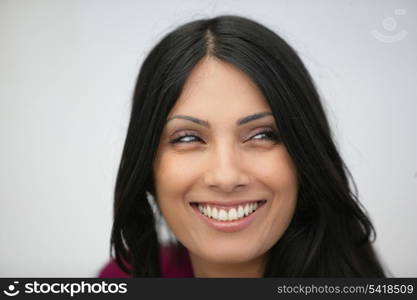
point(220, 151)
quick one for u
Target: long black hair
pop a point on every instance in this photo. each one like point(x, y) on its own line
point(329, 235)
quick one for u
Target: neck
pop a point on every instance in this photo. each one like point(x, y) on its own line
point(251, 269)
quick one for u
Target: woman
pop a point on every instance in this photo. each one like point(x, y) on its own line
point(228, 134)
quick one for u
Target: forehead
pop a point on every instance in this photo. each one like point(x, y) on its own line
point(218, 90)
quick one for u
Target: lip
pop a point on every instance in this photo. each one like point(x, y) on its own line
point(228, 226)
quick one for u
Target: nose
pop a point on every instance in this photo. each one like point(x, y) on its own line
point(225, 172)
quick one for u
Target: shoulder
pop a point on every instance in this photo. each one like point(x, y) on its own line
point(112, 270)
point(174, 262)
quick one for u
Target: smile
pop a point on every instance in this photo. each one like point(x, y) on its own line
point(228, 218)
point(229, 214)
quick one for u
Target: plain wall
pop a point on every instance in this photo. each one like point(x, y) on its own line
point(67, 71)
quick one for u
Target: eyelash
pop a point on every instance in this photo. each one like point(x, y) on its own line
point(270, 134)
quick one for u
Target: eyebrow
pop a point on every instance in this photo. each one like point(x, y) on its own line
point(204, 123)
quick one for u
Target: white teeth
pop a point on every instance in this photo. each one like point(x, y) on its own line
point(246, 209)
point(222, 215)
point(234, 213)
point(240, 212)
point(214, 214)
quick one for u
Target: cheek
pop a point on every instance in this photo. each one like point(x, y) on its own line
point(278, 174)
point(276, 170)
point(174, 174)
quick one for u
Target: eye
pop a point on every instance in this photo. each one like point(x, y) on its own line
point(267, 134)
point(186, 138)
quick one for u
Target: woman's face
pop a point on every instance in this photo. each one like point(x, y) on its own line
point(220, 153)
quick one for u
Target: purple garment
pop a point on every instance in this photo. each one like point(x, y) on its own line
point(172, 265)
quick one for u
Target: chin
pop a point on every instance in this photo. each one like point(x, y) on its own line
point(229, 254)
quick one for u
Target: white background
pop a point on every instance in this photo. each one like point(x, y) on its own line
point(67, 71)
